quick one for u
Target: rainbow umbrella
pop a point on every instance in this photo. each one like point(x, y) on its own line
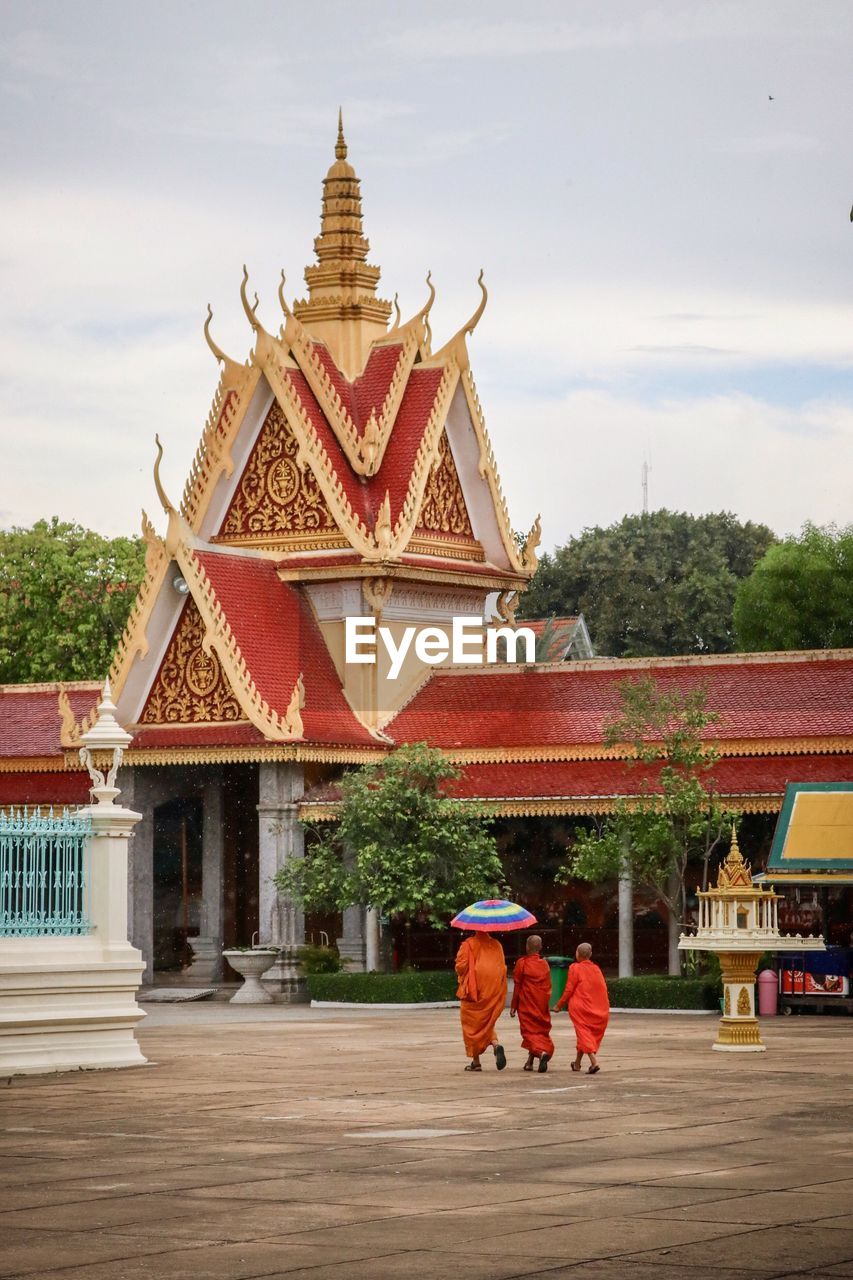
point(494, 915)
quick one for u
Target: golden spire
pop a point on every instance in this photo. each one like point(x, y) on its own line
point(734, 872)
point(342, 308)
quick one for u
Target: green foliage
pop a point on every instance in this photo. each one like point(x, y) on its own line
point(659, 583)
point(659, 992)
point(383, 988)
point(65, 593)
point(675, 816)
point(800, 595)
point(413, 851)
point(317, 959)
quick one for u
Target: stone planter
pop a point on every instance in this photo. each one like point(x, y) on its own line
point(250, 965)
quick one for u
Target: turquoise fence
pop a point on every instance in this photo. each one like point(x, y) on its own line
point(43, 883)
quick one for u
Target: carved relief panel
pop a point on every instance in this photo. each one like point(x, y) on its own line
point(278, 503)
point(190, 687)
point(444, 526)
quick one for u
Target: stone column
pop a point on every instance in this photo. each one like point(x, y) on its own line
point(281, 838)
point(626, 923)
point(207, 947)
point(136, 790)
point(351, 943)
point(371, 940)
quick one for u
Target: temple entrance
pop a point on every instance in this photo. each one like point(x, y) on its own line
point(177, 881)
point(240, 853)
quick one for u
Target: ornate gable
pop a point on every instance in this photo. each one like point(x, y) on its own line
point(190, 687)
point(444, 526)
point(278, 503)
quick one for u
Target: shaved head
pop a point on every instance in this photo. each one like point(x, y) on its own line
point(534, 944)
point(584, 951)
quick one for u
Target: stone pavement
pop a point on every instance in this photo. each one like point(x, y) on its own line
point(304, 1143)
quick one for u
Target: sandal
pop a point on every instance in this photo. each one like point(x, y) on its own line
point(575, 1066)
point(472, 1067)
point(593, 1070)
point(528, 1066)
point(543, 1063)
point(500, 1056)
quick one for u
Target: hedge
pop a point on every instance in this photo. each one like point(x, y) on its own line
point(663, 992)
point(383, 988)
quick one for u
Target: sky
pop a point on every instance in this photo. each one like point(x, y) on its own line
point(659, 195)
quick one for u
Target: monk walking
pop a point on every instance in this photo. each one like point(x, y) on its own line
point(589, 1007)
point(531, 1000)
point(481, 969)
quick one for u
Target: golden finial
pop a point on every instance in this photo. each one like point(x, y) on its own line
point(285, 308)
point(397, 311)
point(217, 351)
point(341, 144)
point(251, 315)
point(735, 854)
point(475, 319)
point(158, 484)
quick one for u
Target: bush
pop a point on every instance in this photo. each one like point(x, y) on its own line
point(316, 959)
point(383, 988)
point(660, 992)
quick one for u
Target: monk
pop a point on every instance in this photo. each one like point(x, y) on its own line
point(481, 969)
point(531, 1001)
point(589, 1007)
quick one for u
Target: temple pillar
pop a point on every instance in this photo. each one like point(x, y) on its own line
point(136, 794)
point(350, 945)
point(207, 947)
point(626, 923)
point(371, 940)
point(281, 785)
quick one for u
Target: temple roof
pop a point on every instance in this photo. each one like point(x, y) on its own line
point(794, 701)
point(752, 784)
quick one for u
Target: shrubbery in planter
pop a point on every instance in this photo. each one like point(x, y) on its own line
point(383, 988)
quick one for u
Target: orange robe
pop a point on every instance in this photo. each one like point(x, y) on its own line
point(531, 998)
point(589, 1005)
point(481, 968)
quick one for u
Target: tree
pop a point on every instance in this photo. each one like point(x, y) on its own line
point(414, 851)
point(800, 594)
point(659, 583)
point(65, 593)
point(675, 818)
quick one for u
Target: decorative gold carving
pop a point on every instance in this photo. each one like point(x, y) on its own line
point(739, 1033)
point(727, 1003)
point(744, 1008)
point(69, 733)
point(734, 873)
point(529, 557)
point(190, 687)
point(276, 497)
point(457, 347)
point(506, 605)
point(739, 966)
point(445, 548)
point(377, 592)
point(292, 717)
point(443, 509)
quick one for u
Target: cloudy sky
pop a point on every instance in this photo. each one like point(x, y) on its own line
point(669, 253)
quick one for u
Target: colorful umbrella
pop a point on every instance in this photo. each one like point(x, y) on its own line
point(495, 915)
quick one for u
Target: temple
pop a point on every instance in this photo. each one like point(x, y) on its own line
point(344, 470)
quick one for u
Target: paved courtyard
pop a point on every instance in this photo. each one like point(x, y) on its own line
point(307, 1143)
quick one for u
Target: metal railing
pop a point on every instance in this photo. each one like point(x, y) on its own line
point(43, 882)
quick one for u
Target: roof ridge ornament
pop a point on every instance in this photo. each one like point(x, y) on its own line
point(178, 532)
point(231, 369)
point(457, 346)
point(251, 312)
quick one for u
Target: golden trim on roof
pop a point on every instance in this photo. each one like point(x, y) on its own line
point(552, 807)
point(489, 472)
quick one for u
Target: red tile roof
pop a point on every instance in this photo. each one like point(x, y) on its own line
point(279, 638)
point(29, 715)
point(538, 625)
point(369, 390)
point(57, 788)
point(576, 780)
point(731, 776)
point(367, 495)
point(756, 696)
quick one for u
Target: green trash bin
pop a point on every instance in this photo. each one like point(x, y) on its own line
point(559, 974)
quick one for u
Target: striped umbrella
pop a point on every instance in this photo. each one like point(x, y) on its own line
point(494, 915)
